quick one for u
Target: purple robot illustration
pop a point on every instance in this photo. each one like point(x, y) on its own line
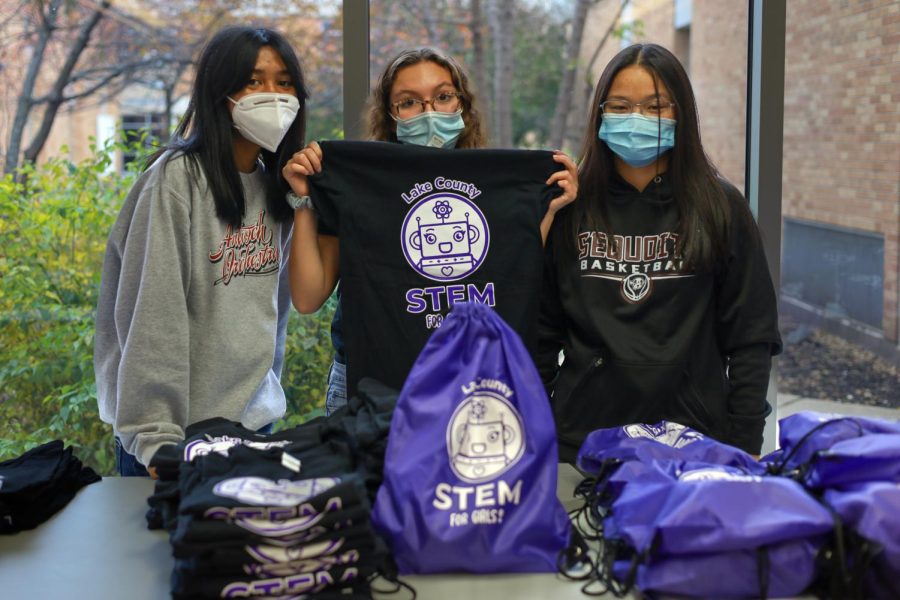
point(445, 237)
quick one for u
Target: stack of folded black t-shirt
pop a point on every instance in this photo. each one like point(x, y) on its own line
point(280, 515)
point(213, 436)
point(362, 425)
point(272, 523)
point(34, 486)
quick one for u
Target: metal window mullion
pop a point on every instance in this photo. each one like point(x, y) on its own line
point(356, 66)
point(765, 138)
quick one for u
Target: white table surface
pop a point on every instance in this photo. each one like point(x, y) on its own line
point(98, 547)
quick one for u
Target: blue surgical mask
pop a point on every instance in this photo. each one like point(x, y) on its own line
point(431, 128)
point(636, 139)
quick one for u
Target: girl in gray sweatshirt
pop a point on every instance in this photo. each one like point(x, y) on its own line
point(194, 300)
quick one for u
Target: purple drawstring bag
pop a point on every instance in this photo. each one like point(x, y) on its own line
point(781, 570)
point(660, 441)
point(616, 456)
point(872, 510)
point(803, 434)
point(873, 457)
point(470, 470)
point(676, 522)
point(827, 450)
point(713, 508)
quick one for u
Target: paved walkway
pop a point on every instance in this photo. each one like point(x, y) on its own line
point(789, 404)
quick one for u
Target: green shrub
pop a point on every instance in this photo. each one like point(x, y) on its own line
point(308, 353)
point(54, 222)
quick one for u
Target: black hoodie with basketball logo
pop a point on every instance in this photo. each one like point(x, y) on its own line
point(646, 338)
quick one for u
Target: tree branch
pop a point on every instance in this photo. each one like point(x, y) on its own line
point(62, 79)
point(25, 105)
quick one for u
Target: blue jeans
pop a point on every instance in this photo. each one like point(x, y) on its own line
point(336, 395)
point(127, 464)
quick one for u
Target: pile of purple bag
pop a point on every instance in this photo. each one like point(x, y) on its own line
point(679, 513)
point(852, 464)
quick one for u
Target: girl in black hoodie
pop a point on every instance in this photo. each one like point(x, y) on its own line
point(657, 289)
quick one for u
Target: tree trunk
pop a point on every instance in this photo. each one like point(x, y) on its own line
point(501, 16)
point(557, 133)
point(55, 98)
point(588, 79)
point(25, 103)
point(479, 67)
point(580, 116)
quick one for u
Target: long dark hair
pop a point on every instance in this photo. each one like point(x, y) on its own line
point(205, 132)
point(381, 125)
point(704, 213)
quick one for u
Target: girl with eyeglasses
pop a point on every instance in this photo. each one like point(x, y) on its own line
point(657, 290)
point(423, 97)
point(194, 296)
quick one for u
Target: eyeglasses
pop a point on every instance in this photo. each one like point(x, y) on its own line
point(443, 102)
point(651, 108)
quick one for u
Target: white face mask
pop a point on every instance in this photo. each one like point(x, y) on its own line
point(264, 118)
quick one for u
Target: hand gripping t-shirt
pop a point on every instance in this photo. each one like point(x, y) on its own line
point(421, 229)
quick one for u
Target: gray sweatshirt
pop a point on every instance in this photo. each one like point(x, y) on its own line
point(192, 313)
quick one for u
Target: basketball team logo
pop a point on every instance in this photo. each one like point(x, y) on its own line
point(636, 286)
point(445, 237)
point(484, 437)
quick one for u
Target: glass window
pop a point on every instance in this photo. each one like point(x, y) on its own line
point(710, 40)
point(839, 291)
point(141, 130)
point(319, 42)
point(513, 52)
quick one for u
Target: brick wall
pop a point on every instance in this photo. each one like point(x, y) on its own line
point(842, 123)
point(719, 76)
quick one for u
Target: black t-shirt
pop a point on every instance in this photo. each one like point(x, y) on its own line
point(248, 479)
point(216, 435)
point(327, 582)
point(37, 484)
point(421, 229)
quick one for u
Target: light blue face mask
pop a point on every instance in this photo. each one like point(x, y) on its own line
point(431, 128)
point(636, 139)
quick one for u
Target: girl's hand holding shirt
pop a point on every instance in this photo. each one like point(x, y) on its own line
point(304, 163)
point(566, 179)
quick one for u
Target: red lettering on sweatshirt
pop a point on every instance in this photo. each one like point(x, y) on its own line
point(247, 250)
point(628, 248)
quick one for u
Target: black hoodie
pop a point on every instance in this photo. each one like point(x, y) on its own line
point(645, 338)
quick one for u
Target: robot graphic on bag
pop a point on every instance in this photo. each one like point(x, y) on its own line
point(485, 437)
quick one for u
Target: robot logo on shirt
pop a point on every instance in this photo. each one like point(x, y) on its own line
point(445, 237)
point(484, 437)
point(259, 491)
point(222, 444)
point(664, 432)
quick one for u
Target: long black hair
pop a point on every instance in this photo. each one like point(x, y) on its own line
point(206, 131)
point(704, 213)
